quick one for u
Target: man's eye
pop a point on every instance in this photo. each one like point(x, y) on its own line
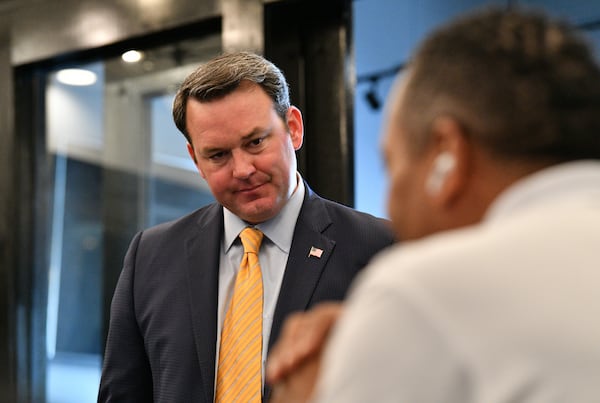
point(256, 141)
point(217, 156)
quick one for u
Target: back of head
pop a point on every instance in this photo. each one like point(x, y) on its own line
point(523, 86)
point(222, 75)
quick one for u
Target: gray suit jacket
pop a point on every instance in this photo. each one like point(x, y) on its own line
point(163, 328)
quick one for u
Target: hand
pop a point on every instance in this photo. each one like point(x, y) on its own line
point(293, 362)
point(298, 386)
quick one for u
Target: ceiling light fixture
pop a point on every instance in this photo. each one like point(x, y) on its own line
point(371, 95)
point(78, 77)
point(132, 56)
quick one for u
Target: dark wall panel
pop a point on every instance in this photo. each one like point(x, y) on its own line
point(311, 42)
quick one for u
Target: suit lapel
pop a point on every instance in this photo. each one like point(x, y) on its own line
point(202, 253)
point(303, 270)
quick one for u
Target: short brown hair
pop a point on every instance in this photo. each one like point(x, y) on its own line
point(222, 75)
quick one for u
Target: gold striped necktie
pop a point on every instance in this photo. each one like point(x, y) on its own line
point(240, 355)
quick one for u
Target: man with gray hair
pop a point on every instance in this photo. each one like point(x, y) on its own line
point(492, 145)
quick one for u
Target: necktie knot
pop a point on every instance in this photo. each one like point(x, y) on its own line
point(251, 239)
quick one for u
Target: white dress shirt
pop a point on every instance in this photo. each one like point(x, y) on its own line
point(504, 311)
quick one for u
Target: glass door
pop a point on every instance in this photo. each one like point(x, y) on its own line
point(120, 165)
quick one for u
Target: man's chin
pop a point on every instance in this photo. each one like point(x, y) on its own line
point(258, 213)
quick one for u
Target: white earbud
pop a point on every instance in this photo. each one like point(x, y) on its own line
point(442, 166)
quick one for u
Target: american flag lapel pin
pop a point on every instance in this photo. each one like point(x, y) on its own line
point(316, 252)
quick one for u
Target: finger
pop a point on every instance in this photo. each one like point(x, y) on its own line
point(282, 353)
point(302, 336)
point(277, 394)
point(317, 326)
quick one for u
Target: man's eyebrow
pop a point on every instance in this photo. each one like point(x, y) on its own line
point(255, 131)
point(211, 150)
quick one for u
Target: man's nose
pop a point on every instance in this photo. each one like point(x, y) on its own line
point(243, 164)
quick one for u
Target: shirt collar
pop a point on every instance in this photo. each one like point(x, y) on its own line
point(279, 229)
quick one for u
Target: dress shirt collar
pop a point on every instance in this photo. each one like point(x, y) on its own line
point(279, 229)
point(562, 181)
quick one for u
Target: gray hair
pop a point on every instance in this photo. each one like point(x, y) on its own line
point(520, 84)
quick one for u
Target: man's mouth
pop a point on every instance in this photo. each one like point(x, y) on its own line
point(249, 189)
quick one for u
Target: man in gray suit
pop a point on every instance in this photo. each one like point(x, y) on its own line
point(178, 278)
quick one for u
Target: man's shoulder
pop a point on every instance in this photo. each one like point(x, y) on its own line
point(211, 213)
point(428, 259)
point(342, 214)
point(450, 259)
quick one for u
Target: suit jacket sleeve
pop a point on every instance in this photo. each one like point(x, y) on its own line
point(126, 375)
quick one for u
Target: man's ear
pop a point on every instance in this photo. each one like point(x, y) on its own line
point(193, 156)
point(448, 172)
point(295, 126)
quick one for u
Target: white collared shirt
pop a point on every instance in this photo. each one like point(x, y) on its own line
point(502, 311)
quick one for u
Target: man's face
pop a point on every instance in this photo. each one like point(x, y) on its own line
point(245, 152)
point(407, 201)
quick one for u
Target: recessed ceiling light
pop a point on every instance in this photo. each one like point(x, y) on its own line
point(132, 56)
point(80, 77)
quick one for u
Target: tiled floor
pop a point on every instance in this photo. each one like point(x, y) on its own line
point(73, 378)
